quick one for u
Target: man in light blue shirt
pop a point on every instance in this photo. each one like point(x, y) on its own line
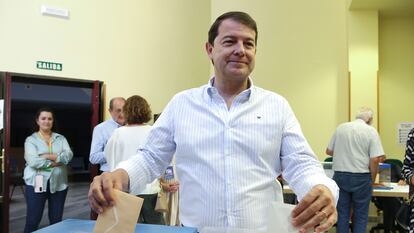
point(103, 131)
point(231, 139)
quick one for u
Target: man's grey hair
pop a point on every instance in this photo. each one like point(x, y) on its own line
point(365, 114)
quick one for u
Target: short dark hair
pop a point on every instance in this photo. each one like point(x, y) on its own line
point(39, 111)
point(136, 110)
point(238, 16)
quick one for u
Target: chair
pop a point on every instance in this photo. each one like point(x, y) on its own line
point(328, 159)
point(16, 169)
point(396, 162)
point(77, 170)
point(77, 164)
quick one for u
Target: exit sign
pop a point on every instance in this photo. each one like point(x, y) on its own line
point(45, 65)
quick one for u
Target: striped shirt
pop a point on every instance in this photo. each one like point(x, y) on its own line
point(227, 160)
point(100, 136)
point(408, 165)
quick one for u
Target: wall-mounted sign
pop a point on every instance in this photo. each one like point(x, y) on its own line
point(45, 65)
point(403, 129)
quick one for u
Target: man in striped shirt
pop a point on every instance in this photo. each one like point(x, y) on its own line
point(231, 139)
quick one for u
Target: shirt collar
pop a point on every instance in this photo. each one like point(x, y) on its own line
point(53, 136)
point(360, 121)
point(243, 96)
point(114, 122)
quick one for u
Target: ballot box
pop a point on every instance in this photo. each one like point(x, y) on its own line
point(86, 226)
point(384, 171)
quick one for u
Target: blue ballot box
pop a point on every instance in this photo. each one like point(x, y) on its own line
point(384, 170)
point(86, 226)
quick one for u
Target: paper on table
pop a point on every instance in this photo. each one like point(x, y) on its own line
point(122, 217)
point(229, 230)
point(280, 219)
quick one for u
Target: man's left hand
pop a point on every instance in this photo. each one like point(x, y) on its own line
point(315, 211)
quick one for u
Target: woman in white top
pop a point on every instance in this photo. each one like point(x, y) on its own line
point(125, 142)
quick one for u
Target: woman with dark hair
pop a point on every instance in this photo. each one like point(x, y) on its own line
point(124, 143)
point(408, 173)
point(46, 153)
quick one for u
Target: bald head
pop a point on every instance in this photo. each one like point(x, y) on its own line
point(115, 109)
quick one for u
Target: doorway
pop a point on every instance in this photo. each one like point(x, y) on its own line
point(77, 108)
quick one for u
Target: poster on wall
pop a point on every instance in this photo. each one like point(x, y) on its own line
point(403, 129)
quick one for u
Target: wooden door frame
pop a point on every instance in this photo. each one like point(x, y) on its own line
point(6, 148)
point(7, 78)
point(95, 119)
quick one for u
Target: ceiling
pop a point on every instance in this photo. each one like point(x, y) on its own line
point(387, 8)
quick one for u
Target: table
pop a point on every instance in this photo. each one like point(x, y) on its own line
point(86, 226)
point(395, 191)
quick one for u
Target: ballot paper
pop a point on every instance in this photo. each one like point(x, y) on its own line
point(279, 221)
point(122, 217)
point(280, 218)
point(229, 230)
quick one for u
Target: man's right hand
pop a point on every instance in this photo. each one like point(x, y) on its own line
point(101, 191)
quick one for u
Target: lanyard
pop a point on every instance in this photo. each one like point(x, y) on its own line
point(49, 145)
point(49, 142)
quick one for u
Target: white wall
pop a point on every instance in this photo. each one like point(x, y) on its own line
point(396, 79)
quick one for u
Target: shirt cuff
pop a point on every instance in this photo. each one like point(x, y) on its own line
point(137, 174)
point(317, 179)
